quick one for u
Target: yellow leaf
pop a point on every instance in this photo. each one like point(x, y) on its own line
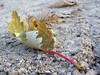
point(50, 18)
point(48, 40)
point(16, 27)
point(31, 21)
point(22, 31)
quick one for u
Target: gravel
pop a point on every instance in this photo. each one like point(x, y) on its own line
point(78, 35)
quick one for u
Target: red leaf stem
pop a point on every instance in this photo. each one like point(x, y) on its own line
point(67, 58)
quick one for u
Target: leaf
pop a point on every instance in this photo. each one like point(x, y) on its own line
point(50, 18)
point(62, 3)
point(31, 21)
point(20, 29)
point(16, 27)
point(47, 19)
point(47, 35)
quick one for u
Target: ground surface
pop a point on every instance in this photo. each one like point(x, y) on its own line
point(78, 36)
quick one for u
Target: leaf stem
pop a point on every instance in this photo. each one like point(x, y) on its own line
point(67, 58)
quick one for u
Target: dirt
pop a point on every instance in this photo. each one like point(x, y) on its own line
point(78, 35)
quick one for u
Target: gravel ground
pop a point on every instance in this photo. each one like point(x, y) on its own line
point(78, 35)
